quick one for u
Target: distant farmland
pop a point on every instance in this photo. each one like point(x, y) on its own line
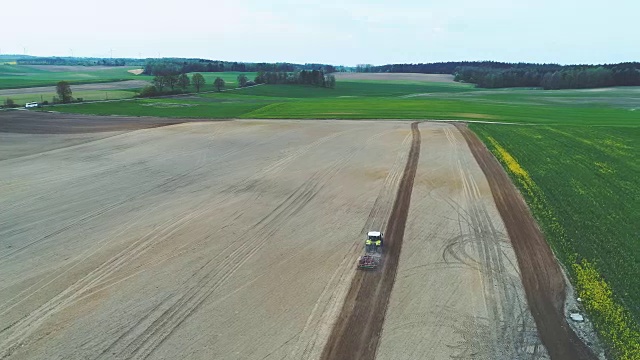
point(27, 83)
point(391, 100)
point(24, 76)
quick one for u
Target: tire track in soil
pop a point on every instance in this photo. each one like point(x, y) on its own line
point(145, 336)
point(357, 330)
point(311, 340)
point(504, 334)
point(542, 277)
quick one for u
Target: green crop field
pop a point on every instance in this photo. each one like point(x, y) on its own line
point(581, 184)
point(380, 100)
point(22, 76)
point(190, 108)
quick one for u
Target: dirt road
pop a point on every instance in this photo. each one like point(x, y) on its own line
point(359, 325)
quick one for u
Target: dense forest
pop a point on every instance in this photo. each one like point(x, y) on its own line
point(567, 77)
point(449, 67)
point(491, 74)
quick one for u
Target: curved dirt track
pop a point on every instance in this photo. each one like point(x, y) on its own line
point(541, 275)
point(359, 325)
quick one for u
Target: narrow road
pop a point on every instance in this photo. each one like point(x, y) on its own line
point(542, 278)
point(357, 330)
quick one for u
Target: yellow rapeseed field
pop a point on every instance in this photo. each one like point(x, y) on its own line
point(598, 300)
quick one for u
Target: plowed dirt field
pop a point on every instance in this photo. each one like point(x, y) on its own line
point(238, 240)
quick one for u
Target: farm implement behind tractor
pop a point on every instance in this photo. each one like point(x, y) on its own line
point(373, 251)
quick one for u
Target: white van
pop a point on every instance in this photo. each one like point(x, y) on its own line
point(31, 104)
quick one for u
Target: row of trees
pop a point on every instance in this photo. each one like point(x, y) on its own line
point(567, 77)
point(302, 77)
point(177, 83)
point(159, 66)
point(450, 67)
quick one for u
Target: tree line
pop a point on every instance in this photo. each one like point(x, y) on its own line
point(159, 66)
point(449, 67)
point(492, 74)
point(173, 83)
point(302, 77)
point(168, 82)
point(566, 77)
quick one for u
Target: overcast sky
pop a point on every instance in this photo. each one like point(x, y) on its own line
point(342, 32)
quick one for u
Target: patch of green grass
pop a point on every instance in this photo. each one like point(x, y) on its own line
point(356, 89)
point(167, 107)
point(581, 184)
point(444, 101)
point(427, 108)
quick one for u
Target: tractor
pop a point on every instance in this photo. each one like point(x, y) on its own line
point(372, 251)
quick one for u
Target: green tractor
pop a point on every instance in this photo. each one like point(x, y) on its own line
point(372, 251)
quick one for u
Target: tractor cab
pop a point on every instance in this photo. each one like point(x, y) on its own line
point(373, 251)
point(374, 241)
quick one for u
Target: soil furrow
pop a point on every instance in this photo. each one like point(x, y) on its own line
point(357, 330)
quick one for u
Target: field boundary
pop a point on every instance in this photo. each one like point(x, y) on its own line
point(541, 275)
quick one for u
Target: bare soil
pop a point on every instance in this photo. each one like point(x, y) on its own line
point(457, 292)
point(541, 275)
point(37, 122)
point(357, 331)
point(227, 239)
point(395, 77)
point(238, 240)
